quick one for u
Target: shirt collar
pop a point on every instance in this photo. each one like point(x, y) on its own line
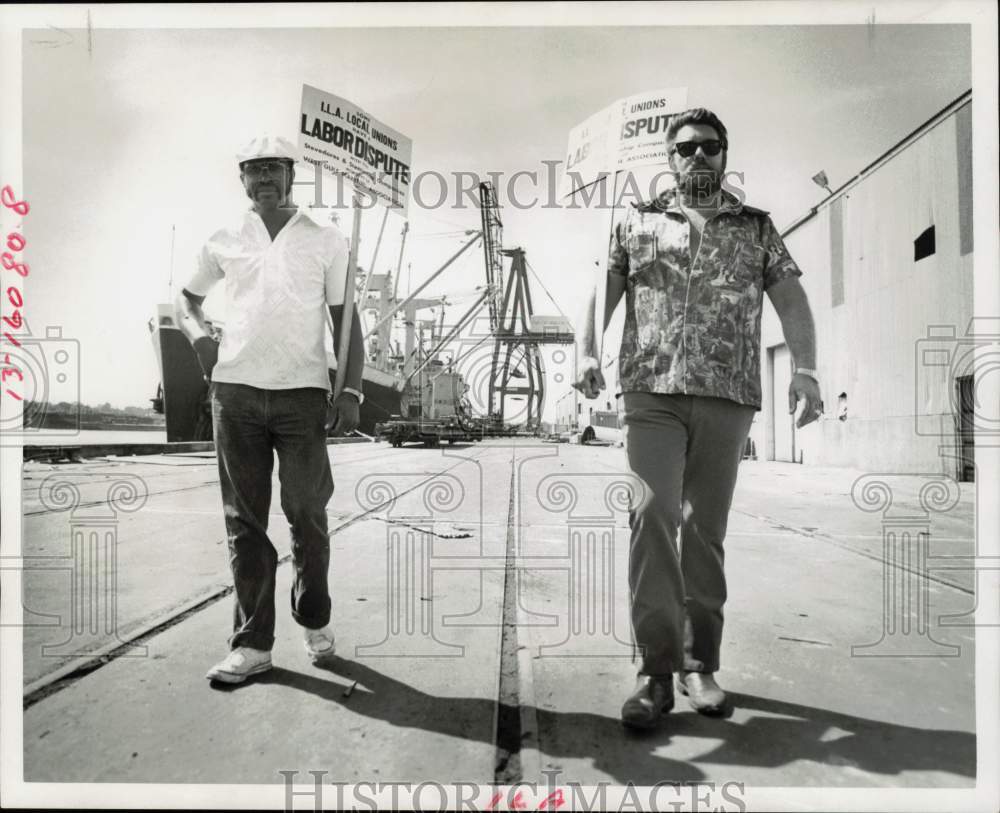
point(669, 201)
point(252, 214)
point(257, 222)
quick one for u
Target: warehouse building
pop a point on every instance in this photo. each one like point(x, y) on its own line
point(887, 266)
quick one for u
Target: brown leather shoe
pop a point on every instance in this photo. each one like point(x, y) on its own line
point(652, 699)
point(703, 693)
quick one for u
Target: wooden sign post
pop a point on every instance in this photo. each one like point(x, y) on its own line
point(343, 341)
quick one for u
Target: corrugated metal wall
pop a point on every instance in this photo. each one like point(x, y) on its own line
point(872, 324)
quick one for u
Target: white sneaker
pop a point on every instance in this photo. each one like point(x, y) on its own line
point(240, 664)
point(319, 643)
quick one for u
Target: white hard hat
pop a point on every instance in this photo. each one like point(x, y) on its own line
point(268, 146)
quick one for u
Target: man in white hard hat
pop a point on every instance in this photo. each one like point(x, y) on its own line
point(270, 392)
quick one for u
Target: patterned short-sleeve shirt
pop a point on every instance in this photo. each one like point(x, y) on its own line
point(692, 324)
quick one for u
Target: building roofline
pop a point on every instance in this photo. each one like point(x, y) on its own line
point(894, 150)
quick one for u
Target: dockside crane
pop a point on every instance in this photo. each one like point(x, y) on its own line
point(437, 409)
point(517, 332)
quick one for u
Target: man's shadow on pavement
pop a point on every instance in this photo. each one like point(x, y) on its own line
point(384, 698)
point(800, 733)
point(824, 737)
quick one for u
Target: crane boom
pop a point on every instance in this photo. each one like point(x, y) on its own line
point(492, 247)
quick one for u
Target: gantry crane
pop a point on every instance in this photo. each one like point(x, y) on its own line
point(514, 326)
point(516, 331)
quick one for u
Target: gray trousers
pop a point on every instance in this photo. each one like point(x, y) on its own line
point(686, 450)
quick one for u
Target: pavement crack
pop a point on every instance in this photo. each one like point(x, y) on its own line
point(444, 530)
point(63, 678)
point(507, 765)
point(803, 640)
point(112, 503)
point(839, 543)
point(78, 668)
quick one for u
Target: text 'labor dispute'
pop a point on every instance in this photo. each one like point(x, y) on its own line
point(339, 137)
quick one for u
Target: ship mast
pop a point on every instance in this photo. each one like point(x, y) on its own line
point(170, 283)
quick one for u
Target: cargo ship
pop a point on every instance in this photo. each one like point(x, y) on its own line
point(434, 386)
point(393, 381)
point(182, 396)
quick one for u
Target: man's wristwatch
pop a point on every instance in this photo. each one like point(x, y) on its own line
point(806, 371)
point(356, 393)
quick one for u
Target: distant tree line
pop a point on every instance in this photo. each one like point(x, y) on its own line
point(73, 415)
point(75, 408)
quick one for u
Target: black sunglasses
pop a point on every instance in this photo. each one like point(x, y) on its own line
point(685, 149)
point(256, 168)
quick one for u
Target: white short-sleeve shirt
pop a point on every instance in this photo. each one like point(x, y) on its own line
point(276, 297)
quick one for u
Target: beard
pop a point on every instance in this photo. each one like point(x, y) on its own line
point(281, 185)
point(260, 186)
point(700, 185)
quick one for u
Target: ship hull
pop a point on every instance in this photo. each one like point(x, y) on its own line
point(383, 399)
point(185, 391)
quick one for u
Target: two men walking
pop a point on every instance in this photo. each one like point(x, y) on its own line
point(693, 265)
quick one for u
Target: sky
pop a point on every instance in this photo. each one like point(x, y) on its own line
point(134, 139)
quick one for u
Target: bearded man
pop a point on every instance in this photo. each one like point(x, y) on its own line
point(694, 265)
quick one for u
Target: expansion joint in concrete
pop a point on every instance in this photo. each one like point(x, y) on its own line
point(507, 767)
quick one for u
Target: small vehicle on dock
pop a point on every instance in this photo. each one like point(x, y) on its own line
point(398, 431)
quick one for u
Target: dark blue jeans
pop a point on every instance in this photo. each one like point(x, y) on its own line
point(250, 426)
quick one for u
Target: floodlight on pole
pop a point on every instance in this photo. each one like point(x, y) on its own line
point(820, 179)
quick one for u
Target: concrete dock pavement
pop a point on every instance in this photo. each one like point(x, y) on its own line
point(481, 604)
point(153, 532)
point(159, 720)
point(808, 710)
point(401, 699)
point(834, 681)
